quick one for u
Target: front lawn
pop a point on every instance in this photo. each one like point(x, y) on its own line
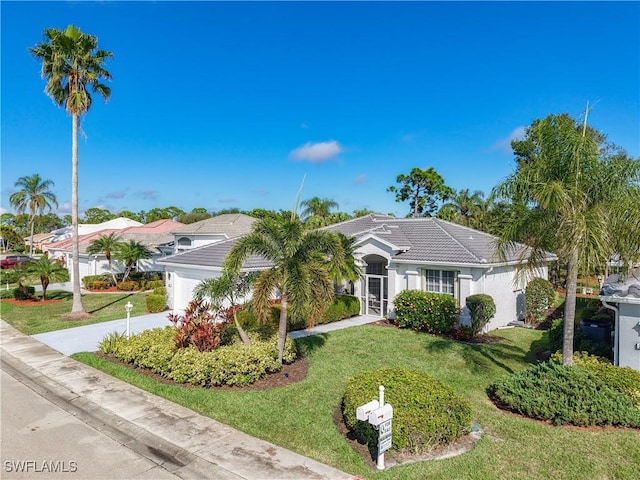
point(300, 416)
point(31, 318)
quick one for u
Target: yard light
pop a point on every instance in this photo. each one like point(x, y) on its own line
point(128, 307)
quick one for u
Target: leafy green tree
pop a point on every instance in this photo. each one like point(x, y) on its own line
point(230, 287)
point(107, 245)
point(363, 212)
point(188, 218)
point(71, 65)
point(47, 223)
point(424, 189)
point(7, 218)
point(299, 272)
point(131, 253)
point(130, 215)
point(34, 195)
point(47, 271)
point(464, 208)
point(10, 238)
point(567, 195)
point(95, 215)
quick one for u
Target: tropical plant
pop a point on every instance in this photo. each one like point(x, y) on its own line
point(106, 244)
point(348, 269)
point(567, 194)
point(47, 271)
point(131, 253)
point(71, 64)
point(464, 208)
point(299, 272)
point(316, 211)
point(423, 188)
point(230, 287)
point(34, 195)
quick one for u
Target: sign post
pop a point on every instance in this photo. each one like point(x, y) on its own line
point(379, 415)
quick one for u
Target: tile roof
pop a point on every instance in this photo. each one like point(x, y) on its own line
point(213, 255)
point(621, 288)
point(229, 224)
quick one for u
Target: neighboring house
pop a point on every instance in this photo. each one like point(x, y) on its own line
point(156, 236)
point(40, 241)
point(119, 223)
point(212, 230)
point(395, 254)
point(622, 295)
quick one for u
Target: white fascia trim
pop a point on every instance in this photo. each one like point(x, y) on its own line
point(363, 240)
point(616, 299)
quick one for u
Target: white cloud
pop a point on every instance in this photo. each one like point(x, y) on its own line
point(150, 194)
point(64, 208)
point(316, 152)
point(360, 179)
point(504, 144)
point(118, 194)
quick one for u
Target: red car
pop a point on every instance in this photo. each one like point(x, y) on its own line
point(11, 261)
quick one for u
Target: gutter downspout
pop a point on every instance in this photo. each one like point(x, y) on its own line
point(616, 326)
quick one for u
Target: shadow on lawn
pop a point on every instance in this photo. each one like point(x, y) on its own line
point(117, 300)
point(311, 343)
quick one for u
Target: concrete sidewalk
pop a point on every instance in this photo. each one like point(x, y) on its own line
point(183, 442)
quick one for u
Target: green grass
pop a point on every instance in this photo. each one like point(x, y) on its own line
point(45, 318)
point(300, 417)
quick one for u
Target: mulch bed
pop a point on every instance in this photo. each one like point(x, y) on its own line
point(34, 302)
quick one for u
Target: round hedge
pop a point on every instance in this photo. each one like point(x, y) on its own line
point(426, 413)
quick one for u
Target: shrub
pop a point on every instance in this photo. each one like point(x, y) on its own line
point(482, 308)
point(109, 344)
point(153, 284)
point(197, 327)
point(247, 317)
point(426, 413)
point(426, 312)
point(581, 342)
point(160, 291)
point(11, 293)
point(128, 286)
point(24, 292)
point(97, 285)
point(155, 303)
point(623, 379)
point(9, 276)
point(343, 306)
point(89, 280)
point(564, 395)
point(538, 296)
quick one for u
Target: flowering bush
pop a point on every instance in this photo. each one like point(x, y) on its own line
point(426, 312)
point(197, 327)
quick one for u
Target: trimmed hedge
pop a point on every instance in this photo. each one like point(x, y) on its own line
point(426, 412)
point(232, 364)
point(482, 308)
point(426, 312)
point(538, 296)
point(128, 286)
point(564, 395)
point(155, 303)
point(343, 306)
point(90, 280)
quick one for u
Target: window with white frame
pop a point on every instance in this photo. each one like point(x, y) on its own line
point(440, 281)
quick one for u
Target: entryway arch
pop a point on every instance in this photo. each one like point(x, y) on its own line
point(375, 286)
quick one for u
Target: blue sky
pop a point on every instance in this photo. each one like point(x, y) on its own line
point(221, 105)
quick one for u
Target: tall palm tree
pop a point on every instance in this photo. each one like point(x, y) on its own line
point(299, 272)
point(34, 195)
point(463, 207)
point(106, 244)
point(316, 211)
point(131, 253)
point(71, 63)
point(47, 271)
point(566, 196)
point(230, 287)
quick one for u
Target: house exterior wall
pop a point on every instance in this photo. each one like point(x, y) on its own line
point(180, 283)
point(198, 240)
point(628, 333)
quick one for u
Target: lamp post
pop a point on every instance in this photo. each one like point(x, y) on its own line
point(128, 307)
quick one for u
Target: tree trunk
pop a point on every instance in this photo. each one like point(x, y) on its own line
point(243, 335)
point(282, 327)
point(570, 308)
point(33, 226)
point(45, 283)
point(77, 307)
point(113, 274)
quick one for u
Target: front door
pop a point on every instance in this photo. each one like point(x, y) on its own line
point(375, 295)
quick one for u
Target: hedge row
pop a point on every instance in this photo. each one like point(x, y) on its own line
point(426, 312)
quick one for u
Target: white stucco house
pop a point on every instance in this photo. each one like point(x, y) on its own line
point(622, 295)
point(156, 236)
point(396, 254)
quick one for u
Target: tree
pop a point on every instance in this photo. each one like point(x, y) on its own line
point(464, 208)
point(348, 269)
point(96, 215)
point(316, 211)
point(131, 253)
point(299, 272)
point(567, 194)
point(34, 196)
point(106, 244)
point(423, 188)
point(230, 287)
point(71, 64)
point(363, 212)
point(47, 271)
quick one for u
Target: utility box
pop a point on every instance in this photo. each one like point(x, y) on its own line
point(363, 411)
point(381, 415)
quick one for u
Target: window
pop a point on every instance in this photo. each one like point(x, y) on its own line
point(440, 281)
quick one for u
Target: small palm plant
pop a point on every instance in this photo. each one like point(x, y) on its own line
point(131, 253)
point(106, 244)
point(47, 271)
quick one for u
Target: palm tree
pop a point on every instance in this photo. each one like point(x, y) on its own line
point(348, 269)
point(315, 211)
point(299, 272)
point(47, 271)
point(564, 193)
point(105, 244)
point(71, 62)
point(230, 287)
point(35, 197)
point(130, 253)
point(464, 208)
